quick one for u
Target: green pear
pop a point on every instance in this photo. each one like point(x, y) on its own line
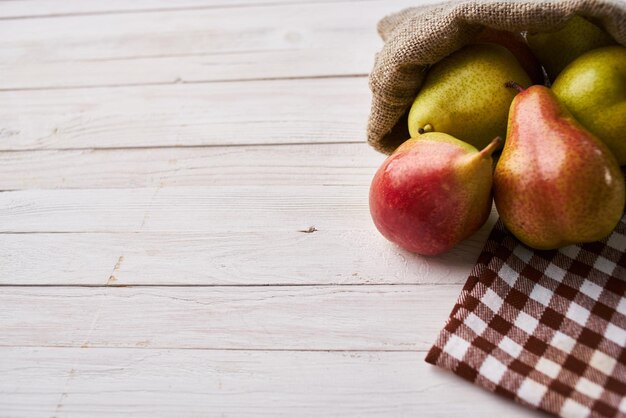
point(555, 183)
point(516, 43)
point(593, 88)
point(556, 50)
point(463, 96)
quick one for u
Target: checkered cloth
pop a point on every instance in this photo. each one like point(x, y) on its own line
point(546, 328)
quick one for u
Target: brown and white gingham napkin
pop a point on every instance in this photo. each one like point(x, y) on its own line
point(545, 328)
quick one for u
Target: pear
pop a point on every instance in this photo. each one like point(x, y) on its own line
point(555, 183)
point(517, 45)
point(593, 88)
point(462, 95)
point(556, 50)
point(432, 193)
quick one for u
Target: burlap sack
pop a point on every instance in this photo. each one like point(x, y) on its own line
point(420, 36)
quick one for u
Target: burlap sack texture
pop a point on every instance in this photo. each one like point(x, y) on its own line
point(419, 36)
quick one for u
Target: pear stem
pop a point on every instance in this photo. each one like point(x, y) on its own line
point(514, 85)
point(491, 147)
point(426, 128)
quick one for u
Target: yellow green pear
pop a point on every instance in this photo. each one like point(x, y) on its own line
point(463, 95)
point(556, 50)
point(593, 88)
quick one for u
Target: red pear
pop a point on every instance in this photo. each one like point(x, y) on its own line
point(432, 192)
point(555, 183)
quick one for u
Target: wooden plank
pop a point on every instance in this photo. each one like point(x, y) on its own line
point(153, 383)
point(397, 317)
point(358, 256)
point(232, 43)
point(192, 68)
point(301, 164)
point(45, 8)
point(207, 209)
point(260, 112)
point(181, 32)
point(219, 209)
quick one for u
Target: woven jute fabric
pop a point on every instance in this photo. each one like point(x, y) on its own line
point(421, 36)
point(545, 328)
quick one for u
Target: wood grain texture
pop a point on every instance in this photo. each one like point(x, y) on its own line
point(397, 317)
point(67, 382)
point(199, 209)
point(208, 209)
point(236, 113)
point(357, 256)
point(231, 43)
point(187, 209)
point(182, 32)
point(283, 165)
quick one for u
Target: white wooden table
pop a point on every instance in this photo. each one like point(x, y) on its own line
point(184, 228)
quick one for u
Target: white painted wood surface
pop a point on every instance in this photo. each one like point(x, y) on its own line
point(224, 113)
point(233, 317)
point(293, 39)
point(19, 9)
point(184, 227)
point(166, 383)
point(358, 256)
point(270, 165)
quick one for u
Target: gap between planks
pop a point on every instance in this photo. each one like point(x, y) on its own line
point(217, 285)
point(174, 147)
point(218, 5)
point(202, 349)
point(179, 81)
